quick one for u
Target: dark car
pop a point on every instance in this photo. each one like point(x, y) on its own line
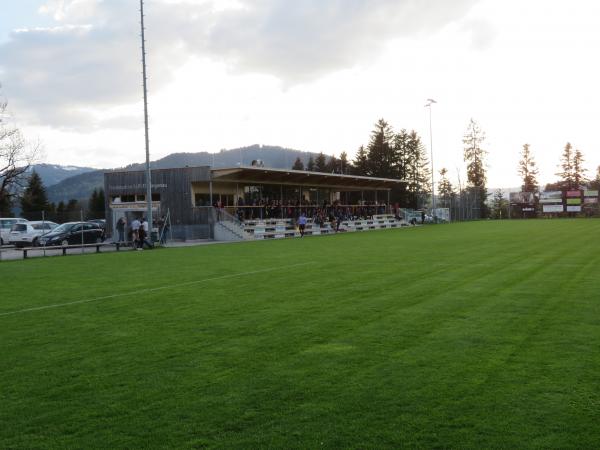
point(100, 222)
point(73, 233)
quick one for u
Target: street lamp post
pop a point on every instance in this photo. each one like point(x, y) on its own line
point(429, 103)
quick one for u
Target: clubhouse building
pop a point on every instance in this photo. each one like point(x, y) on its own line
point(197, 199)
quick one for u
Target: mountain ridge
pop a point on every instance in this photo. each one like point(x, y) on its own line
point(52, 174)
point(81, 185)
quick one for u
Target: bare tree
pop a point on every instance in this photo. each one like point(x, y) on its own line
point(16, 157)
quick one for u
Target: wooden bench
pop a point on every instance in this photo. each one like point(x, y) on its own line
point(64, 248)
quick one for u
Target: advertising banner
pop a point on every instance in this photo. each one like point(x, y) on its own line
point(551, 200)
point(591, 194)
point(573, 201)
point(553, 208)
point(573, 208)
point(555, 195)
point(591, 201)
point(573, 193)
point(522, 198)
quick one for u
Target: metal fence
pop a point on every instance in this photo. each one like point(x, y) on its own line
point(463, 207)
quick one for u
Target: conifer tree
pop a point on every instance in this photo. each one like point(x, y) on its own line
point(445, 189)
point(96, 205)
point(344, 164)
point(321, 163)
point(73, 210)
point(417, 171)
point(298, 164)
point(101, 206)
point(92, 202)
point(402, 145)
point(382, 157)
point(579, 172)
point(474, 156)
point(566, 166)
point(34, 199)
point(51, 212)
point(528, 171)
point(60, 212)
point(332, 165)
point(361, 162)
point(499, 206)
point(310, 166)
point(595, 184)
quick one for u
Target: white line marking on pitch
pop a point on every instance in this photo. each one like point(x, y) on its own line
point(143, 291)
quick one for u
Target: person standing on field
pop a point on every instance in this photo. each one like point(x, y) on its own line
point(142, 233)
point(135, 231)
point(147, 239)
point(302, 223)
point(121, 229)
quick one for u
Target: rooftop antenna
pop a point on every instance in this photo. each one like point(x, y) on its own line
point(148, 173)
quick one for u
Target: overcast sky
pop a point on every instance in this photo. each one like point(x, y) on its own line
point(313, 75)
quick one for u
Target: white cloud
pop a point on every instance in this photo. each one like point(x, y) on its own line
point(73, 10)
point(67, 75)
point(302, 40)
point(217, 68)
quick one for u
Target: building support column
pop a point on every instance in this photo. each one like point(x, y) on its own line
point(281, 199)
point(389, 207)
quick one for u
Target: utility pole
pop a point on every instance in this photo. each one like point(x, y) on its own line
point(148, 173)
point(430, 102)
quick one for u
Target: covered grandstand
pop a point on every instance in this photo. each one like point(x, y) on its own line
point(238, 202)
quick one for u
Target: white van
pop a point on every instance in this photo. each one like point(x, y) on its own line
point(6, 224)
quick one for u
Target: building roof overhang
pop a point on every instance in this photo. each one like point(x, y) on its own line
point(262, 175)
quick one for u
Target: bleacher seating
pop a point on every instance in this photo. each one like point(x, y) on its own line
point(286, 228)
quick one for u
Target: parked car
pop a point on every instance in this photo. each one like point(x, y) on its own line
point(24, 234)
point(73, 233)
point(6, 224)
point(100, 222)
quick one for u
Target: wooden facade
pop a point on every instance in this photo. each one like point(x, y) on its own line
point(187, 194)
point(171, 193)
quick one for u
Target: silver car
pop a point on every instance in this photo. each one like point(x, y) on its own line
point(27, 234)
point(6, 224)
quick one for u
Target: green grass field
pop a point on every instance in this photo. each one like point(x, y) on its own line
point(477, 335)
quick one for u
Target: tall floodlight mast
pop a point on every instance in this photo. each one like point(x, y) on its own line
point(148, 173)
point(429, 103)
